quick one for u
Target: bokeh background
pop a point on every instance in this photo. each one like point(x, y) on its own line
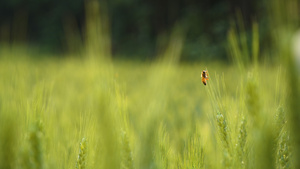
point(117, 84)
point(137, 28)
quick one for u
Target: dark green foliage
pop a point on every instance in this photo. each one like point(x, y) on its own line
point(136, 26)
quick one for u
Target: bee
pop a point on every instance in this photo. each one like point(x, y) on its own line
point(204, 76)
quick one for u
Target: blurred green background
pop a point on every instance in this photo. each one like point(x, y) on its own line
point(137, 28)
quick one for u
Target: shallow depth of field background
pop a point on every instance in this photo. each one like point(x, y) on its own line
point(111, 85)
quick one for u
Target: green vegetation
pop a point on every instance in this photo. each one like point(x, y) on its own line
point(54, 26)
point(139, 115)
point(95, 112)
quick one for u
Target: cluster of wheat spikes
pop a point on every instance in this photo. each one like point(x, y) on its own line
point(261, 139)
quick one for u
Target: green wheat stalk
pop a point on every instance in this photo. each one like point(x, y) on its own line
point(81, 159)
point(283, 141)
point(162, 155)
point(194, 155)
point(126, 153)
point(36, 150)
point(220, 119)
point(223, 131)
point(284, 153)
point(242, 140)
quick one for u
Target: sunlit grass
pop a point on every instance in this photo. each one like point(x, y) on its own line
point(119, 113)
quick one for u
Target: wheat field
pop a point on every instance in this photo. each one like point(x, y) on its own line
point(93, 111)
point(76, 113)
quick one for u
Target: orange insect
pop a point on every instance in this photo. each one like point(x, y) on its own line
point(204, 76)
